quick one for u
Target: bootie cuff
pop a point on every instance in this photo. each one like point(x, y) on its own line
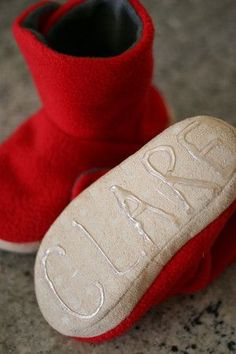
point(109, 72)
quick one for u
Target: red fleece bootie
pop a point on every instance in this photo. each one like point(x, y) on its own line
point(92, 64)
point(161, 223)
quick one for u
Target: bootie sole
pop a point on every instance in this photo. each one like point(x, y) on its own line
point(115, 239)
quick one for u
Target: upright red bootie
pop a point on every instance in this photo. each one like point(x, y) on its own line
point(92, 65)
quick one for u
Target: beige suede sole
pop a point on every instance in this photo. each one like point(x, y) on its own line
point(109, 245)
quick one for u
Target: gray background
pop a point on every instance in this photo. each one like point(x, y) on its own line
point(195, 52)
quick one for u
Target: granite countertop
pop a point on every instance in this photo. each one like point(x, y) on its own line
point(195, 55)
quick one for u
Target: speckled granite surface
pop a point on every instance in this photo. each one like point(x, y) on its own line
point(195, 67)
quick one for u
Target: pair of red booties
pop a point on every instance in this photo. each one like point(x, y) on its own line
point(92, 64)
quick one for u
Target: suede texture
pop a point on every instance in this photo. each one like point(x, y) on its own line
point(136, 238)
point(192, 269)
point(95, 112)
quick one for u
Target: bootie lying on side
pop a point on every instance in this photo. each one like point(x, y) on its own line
point(159, 224)
point(98, 107)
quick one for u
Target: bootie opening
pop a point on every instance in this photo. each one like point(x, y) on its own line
point(95, 28)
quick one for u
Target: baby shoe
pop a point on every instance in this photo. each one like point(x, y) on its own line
point(159, 224)
point(92, 64)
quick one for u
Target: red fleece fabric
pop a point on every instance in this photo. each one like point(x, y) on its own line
point(95, 113)
point(86, 179)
